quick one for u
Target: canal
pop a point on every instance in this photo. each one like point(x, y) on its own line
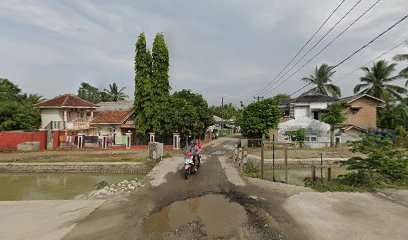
point(16, 186)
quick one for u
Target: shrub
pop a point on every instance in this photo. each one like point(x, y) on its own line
point(251, 171)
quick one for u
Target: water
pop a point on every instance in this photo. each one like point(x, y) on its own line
point(53, 186)
point(219, 216)
point(297, 175)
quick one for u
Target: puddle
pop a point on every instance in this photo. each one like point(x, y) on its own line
point(219, 217)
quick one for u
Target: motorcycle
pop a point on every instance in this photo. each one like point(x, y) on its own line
point(192, 164)
point(189, 164)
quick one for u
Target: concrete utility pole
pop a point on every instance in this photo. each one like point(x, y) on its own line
point(262, 158)
point(222, 117)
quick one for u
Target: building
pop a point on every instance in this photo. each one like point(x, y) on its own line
point(67, 112)
point(306, 112)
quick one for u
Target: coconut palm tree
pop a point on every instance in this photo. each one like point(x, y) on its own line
point(322, 79)
point(114, 94)
point(377, 82)
point(404, 72)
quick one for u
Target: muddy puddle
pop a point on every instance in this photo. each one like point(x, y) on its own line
point(217, 215)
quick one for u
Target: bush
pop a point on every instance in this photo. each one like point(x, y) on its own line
point(251, 171)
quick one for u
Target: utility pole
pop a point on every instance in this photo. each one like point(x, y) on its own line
point(262, 158)
point(222, 117)
point(273, 158)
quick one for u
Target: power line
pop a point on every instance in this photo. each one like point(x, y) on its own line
point(314, 46)
point(361, 48)
point(327, 45)
point(301, 49)
point(372, 60)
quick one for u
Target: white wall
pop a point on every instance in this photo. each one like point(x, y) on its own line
point(305, 109)
point(312, 128)
point(48, 115)
point(106, 129)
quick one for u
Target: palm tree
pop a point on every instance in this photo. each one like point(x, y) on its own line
point(404, 72)
point(376, 82)
point(114, 94)
point(321, 78)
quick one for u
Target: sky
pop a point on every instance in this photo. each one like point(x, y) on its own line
point(218, 48)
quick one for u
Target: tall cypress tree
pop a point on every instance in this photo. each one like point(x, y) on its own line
point(160, 82)
point(143, 88)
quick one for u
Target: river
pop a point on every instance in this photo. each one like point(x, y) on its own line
point(16, 186)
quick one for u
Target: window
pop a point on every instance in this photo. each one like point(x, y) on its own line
point(313, 139)
point(316, 115)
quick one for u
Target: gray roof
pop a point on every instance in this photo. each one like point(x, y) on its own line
point(355, 97)
point(114, 106)
point(314, 96)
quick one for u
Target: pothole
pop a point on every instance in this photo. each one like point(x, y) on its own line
point(218, 216)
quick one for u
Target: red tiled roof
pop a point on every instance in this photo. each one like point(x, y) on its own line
point(116, 117)
point(67, 100)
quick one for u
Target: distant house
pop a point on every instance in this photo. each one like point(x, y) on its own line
point(114, 119)
point(67, 112)
point(306, 112)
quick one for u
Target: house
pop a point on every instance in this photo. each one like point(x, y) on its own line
point(114, 119)
point(67, 112)
point(306, 112)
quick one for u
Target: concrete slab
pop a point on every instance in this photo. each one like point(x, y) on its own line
point(42, 220)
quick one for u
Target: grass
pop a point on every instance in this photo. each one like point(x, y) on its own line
point(337, 186)
point(304, 153)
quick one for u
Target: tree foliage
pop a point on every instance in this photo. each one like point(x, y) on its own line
point(394, 114)
point(378, 81)
point(114, 94)
point(322, 79)
point(16, 111)
point(259, 117)
point(333, 116)
point(297, 136)
point(227, 111)
point(383, 164)
point(89, 93)
point(404, 72)
point(143, 105)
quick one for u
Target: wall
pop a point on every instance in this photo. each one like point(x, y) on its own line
point(366, 117)
point(48, 115)
point(10, 140)
point(312, 128)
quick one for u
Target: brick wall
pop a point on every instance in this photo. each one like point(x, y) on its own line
point(366, 116)
point(10, 140)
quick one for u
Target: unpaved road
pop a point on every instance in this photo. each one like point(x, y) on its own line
point(217, 203)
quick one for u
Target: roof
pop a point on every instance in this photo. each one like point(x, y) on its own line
point(114, 106)
point(67, 100)
point(314, 96)
point(351, 99)
point(112, 117)
point(347, 127)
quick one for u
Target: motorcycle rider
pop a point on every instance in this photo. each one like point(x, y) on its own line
point(193, 148)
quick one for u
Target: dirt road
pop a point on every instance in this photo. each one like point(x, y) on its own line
point(216, 203)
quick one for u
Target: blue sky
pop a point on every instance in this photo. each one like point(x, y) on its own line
point(229, 49)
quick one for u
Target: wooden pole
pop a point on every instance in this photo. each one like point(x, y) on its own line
point(273, 158)
point(329, 173)
point(321, 167)
point(286, 164)
point(262, 159)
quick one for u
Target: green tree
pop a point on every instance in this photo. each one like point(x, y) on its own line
point(114, 94)
point(378, 81)
point(89, 93)
point(333, 117)
point(259, 117)
point(281, 96)
point(404, 72)
point(298, 136)
point(322, 80)
point(160, 82)
point(16, 111)
point(227, 111)
point(144, 105)
point(394, 114)
point(384, 163)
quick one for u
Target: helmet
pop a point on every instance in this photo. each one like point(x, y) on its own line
point(192, 142)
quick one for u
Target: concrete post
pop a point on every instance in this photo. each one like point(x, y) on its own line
point(105, 141)
point(80, 140)
point(128, 140)
point(176, 141)
point(152, 137)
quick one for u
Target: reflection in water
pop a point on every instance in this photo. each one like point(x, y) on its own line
point(297, 175)
point(52, 186)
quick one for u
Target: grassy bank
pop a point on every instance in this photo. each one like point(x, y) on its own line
point(302, 153)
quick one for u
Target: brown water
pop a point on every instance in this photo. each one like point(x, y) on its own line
point(297, 175)
point(218, 216)
point(52, 186)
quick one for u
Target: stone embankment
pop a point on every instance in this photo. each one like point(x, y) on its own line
point(114, 189)
point(67, 167)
